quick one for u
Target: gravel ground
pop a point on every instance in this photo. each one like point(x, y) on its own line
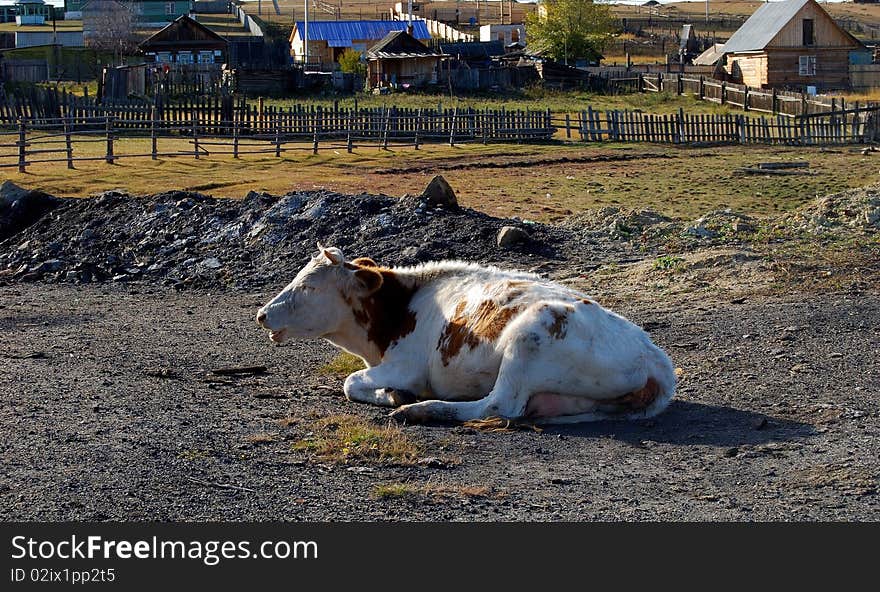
point(108, 413)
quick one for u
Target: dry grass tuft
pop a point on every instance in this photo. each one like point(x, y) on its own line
point(261, 438)
point(342, 365)
point(430, 490)
point(344, 438)
point(499, 424)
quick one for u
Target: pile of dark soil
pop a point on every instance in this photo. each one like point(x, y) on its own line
point(190, 239)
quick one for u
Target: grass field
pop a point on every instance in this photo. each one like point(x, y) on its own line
point(537, 182)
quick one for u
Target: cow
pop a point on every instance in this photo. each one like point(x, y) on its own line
point(450, 341)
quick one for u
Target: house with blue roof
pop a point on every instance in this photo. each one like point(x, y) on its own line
point(328, 39)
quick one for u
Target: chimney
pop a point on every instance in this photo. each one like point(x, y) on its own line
point(409, 28)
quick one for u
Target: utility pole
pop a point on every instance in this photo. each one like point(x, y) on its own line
point(306, 37)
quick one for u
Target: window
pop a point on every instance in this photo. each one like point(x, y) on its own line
point(185, 57)
point(808, 32)
point(163, 57)
point(807, 66)
point(169, 9)
point(206, 57)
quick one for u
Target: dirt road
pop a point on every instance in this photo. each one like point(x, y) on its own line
point(109, 412)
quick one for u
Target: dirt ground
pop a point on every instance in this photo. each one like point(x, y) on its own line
point(109, 412)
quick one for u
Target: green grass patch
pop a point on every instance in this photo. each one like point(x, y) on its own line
point(667, 262)
point(345, 438)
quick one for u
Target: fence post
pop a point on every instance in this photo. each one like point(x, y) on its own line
point(108, 126)
point(452, 127)
point(568, 126)
point(773, 101)
point(277, 136)
point(22, 141)
point(195, 135)
point(314, 136)
point(153, 141)
point(67, 142)
point(236, 127)
point(418, 128)
point(702, 87)
point(746, 98)
point(723, 91)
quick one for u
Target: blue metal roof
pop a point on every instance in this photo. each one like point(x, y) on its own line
point(342, 33)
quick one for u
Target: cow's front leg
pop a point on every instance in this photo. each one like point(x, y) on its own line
point(386, 385)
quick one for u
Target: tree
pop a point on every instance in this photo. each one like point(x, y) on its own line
point(570, 29)
point(109, 26)
point(350, 62)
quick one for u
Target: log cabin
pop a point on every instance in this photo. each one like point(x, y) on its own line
point(793, 44)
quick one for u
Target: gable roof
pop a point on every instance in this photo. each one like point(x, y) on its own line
point(764, 24)
point(400, 44)
point(343, 33)
point(183, 32)
point(711, 56)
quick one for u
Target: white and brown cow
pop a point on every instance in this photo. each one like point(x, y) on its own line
point(472, 342)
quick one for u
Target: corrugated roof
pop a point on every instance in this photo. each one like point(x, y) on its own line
point(342, 33)
point(760, 29)
point(399, 44)
point(711, 56)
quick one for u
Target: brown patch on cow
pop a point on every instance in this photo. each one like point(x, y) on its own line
point(486, 325)
point(490, 320)
point(455, 335)
point(585, 301)
point(559, 328)
point(385, 313)
point(640, 399)
point(364, 262)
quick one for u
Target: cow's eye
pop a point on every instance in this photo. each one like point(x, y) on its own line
point(306, 289)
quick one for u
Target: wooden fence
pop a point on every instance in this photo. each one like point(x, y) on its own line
point(853, 125)
point(63, 139)
point(775, 102)
point(90, 137)
point(856, 125)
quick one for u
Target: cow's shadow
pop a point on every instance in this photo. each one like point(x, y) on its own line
point(689, 423)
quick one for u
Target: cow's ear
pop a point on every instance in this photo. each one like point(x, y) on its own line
point(333, 255)
point(369, 278)
point(365, 262)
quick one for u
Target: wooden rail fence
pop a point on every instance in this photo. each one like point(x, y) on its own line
point(774, 102)
point(44, 140)
point(856, 125)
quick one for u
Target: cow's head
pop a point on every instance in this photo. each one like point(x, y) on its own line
point(318, 300)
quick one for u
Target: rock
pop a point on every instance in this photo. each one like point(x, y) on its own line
point(439, 193)
point(20, 208)
point(699, 232)
point(50, 266)
point(211, 263)
point(434, 462)
point(509, 236)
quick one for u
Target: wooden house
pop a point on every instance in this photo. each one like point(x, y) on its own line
point(185, 41)
point(792, 44)
point(327, 40)
point(401, 60)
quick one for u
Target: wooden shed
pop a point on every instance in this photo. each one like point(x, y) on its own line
point(401, 60)
point(792, 44)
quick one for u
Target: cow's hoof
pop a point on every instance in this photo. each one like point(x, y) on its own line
point(399, 415)
point(399, 398)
